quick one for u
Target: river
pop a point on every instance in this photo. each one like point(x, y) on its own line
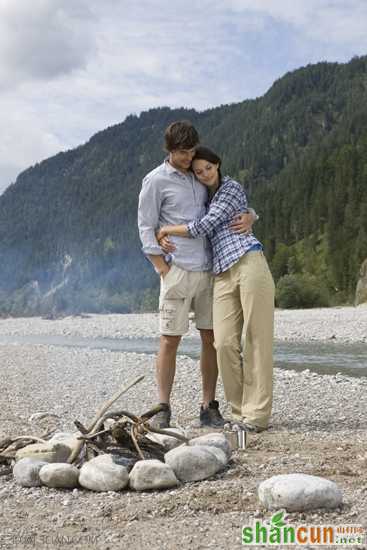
point(321, 357)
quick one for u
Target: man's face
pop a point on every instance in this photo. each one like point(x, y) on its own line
point(182, 158)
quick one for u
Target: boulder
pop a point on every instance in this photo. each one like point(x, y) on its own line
point(213, 439)
point(152, 474)
point(59, 475)
point(46, 452)
point(26, 472)
point(103, 474)
point(196, 462)
point(66, 438)
point(299, 492)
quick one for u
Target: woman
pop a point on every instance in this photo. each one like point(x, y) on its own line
point(243, 310)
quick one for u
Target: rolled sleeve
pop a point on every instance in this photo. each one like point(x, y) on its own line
point(148, 216)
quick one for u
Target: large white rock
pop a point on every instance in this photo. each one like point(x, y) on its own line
point(213, 440)
point(298, 492)
point(46, 452)
point(152, 474)
point(102, 474)
point(59, 475)
point(167, 441)
point(193, 463)
point(26, 472)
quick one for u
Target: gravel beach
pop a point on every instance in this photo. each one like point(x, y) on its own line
point(343, 324)
point(319, 427)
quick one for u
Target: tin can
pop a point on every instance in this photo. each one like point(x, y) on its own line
point(241, 439)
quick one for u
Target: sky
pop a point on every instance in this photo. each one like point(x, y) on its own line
point(70, 68)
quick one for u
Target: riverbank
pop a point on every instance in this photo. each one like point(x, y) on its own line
point(319, 427)
point(341, 324)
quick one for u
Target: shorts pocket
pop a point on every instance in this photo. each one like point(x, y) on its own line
point(174, 286)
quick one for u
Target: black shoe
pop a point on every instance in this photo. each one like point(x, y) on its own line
point(162, 419)
point(211, 416)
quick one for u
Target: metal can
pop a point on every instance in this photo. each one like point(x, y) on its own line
point(241, 439)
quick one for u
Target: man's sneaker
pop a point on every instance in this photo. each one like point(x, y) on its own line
point(162, 419)
point(211, 416)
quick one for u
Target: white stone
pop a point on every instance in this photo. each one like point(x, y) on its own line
point(193, 463)
point(298, 492)
point(59, 475)
point(46, 452)
point(167, 441)
point(66, 438)
point(213, 440)
point(152, 474)
point(26, 472)
point(102, 474)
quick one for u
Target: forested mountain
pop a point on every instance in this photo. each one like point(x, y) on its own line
point(68, 233)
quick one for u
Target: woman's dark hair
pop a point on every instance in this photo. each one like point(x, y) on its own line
point(180, 135)
point(204, 153)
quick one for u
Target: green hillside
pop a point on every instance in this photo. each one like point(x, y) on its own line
point(68, 225)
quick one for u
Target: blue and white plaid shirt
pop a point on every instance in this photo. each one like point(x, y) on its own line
point(228, 247)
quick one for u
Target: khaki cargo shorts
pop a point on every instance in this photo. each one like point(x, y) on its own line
point(181, 292)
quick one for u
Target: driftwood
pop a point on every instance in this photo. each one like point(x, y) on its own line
point(101, 411)
point(129, 432)
point(127, 437)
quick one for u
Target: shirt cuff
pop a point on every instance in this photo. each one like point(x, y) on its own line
point(155, 250)
point(191, 228)
point(252, 211)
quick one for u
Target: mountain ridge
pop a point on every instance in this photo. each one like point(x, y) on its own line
point(82, 202)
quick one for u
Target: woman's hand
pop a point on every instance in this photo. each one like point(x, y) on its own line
point(164, 242)
point(160, 233)
point(166, 245)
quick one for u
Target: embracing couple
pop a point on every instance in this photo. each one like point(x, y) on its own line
point(195, 228)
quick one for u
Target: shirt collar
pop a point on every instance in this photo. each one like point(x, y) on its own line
point(172, 170)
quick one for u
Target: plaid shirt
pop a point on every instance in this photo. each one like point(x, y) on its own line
point(228, 247)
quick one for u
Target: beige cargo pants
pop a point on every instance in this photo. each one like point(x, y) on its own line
point(243, 319)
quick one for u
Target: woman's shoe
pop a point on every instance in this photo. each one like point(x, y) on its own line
point(246, 426)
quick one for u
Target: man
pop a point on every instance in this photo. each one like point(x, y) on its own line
point(171, 194)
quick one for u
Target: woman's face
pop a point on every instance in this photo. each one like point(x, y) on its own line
point(206, 172)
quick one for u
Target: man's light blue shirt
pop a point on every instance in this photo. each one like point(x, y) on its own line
point(170, 197)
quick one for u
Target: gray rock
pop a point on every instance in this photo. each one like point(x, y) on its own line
point(26, 472)
point(59, 475)
point(124, 461)
point(167, 441)
point(46, 452)
point(193, 463)
point(299, 492)
point(152, 474)
point(66, 438)
point(213, 439)
point(103, 474)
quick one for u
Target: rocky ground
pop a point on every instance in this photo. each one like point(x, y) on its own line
point(319, 427)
